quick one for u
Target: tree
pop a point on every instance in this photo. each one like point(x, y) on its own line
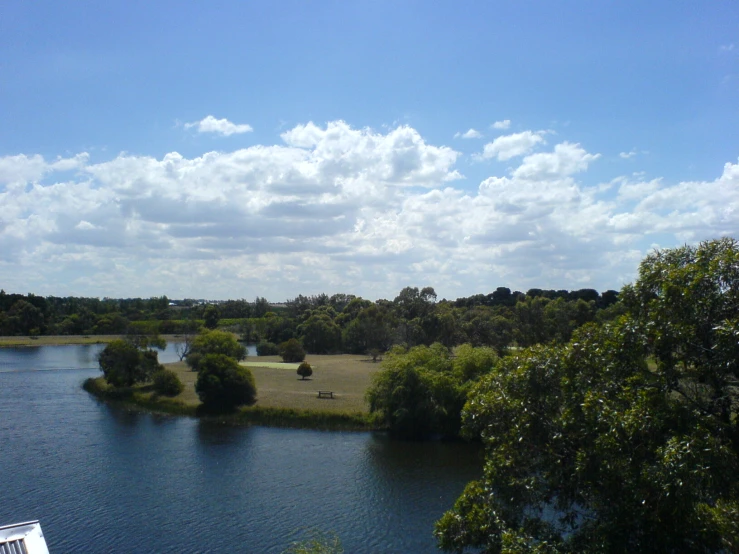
point(320, 335)
point(214, 342)
point(123, 364)
point(410, 303)
point(143, 340)
point(369, 330)
point(261, 307)
point(23, 318)
point(223, 385)
point(416, 393)
point(292, 351)
point(686, 301)
point(167, 383)
point(183, 347)
point(590, 449)
point(471, 363)
point(529, 320)
point(211, 315)
point(265, 348)
point(305, 370)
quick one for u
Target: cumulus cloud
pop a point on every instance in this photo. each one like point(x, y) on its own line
point(224, 127)
point(29, 169)
point(511, 146)
point(469, 134)
point(505, 124)
point(335, 208)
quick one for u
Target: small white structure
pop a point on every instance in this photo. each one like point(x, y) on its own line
point(22, 538)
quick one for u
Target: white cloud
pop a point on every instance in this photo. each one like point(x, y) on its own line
point(334, 208)
point(470, 134)
point(627, 155)
point(29, 169)
point(85, 226)
point(566, 159)
point(510, 146)
point(726, 47)
point(224, 127)
point(505, 124)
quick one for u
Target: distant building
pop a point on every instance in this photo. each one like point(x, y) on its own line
point(22, 538)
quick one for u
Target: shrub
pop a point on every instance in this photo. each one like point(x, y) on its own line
point(266, 348)
point(305, 370)
point(292, 351)
point(223, 384)
point(167, 383)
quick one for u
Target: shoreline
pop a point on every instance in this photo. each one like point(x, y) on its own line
point(63, 340)
point(141, 399)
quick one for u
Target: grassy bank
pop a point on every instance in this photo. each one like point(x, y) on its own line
point(57, 340)
point(283, 399)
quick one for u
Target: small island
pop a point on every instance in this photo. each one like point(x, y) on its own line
point(283, 397)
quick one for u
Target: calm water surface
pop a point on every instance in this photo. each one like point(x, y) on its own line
point(105, 479)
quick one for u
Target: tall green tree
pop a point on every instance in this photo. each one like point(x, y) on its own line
point(124, 364)
point(417, 393)
point(319, 333)
point(211, 315)
point(371, 329)
point(214, 342)
point(590, 449)
point(686, 302)
point(223, 385)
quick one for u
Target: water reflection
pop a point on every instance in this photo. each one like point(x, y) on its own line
point(103, 478)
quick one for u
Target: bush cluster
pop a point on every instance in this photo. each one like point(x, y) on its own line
point(292, 351)
point(266, 348)
point(223, 385)
point(167, 383)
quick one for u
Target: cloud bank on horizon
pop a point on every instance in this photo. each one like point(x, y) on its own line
point(335, 208)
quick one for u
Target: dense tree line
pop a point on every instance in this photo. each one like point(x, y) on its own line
point(327, 324)
point(345, 323)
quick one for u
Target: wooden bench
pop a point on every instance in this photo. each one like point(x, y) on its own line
point(325, 394)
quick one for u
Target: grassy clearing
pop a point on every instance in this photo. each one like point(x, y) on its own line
point(57, 340)
point(283, 399)
point(278, 385)
point(271, 365)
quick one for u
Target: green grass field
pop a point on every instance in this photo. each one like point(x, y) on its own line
point(279, 386)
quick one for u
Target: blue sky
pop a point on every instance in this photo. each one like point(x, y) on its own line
point(235, 149)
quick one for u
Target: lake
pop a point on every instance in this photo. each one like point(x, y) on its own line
point(106, 479)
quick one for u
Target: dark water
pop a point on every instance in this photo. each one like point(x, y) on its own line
point(104, 479)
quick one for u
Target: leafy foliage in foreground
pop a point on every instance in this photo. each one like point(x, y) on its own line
point(589, 450)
